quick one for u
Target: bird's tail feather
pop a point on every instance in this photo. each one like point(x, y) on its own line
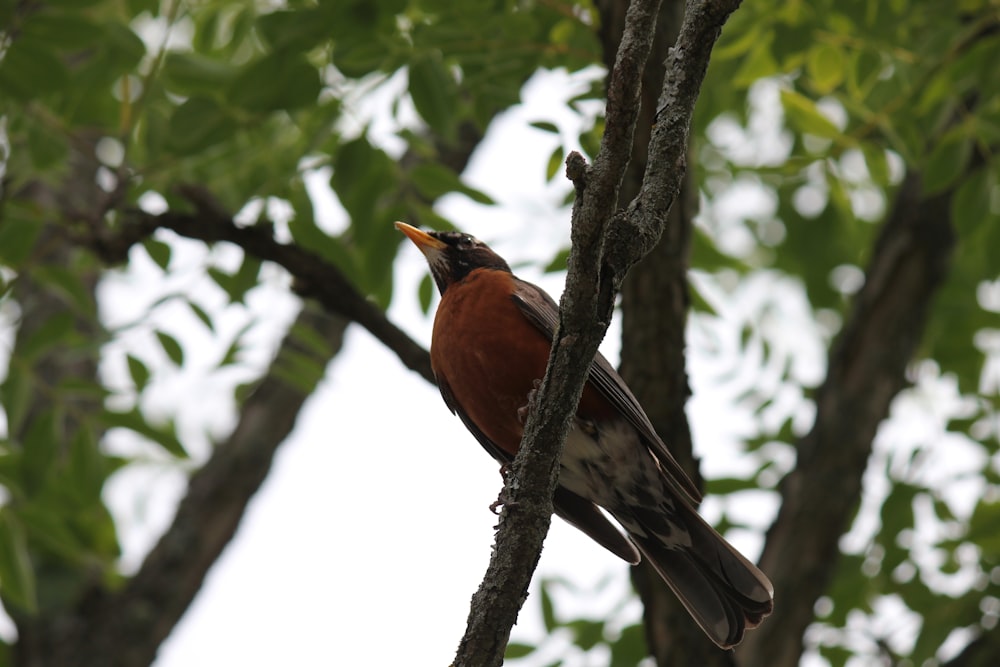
point(723, 591)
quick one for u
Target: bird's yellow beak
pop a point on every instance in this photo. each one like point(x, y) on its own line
point(420, 238)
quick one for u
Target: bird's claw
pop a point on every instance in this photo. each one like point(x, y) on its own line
point(502, 499)
point(501, 502)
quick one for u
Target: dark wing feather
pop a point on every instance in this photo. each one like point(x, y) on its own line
point(543, 312)
point(573, 509)
point(500, 455)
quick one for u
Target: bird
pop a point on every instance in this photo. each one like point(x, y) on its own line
point(490, 344)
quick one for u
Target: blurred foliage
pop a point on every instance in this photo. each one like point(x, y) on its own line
point(820, 106)
point(870, 91)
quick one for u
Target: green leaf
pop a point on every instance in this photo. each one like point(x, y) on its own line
point(76, 387)
point(758, 65)
point(48, 149)
point(231, 355)
point(137, 7)
point(301, 29)
point(805, 117)
point(69, 284)
point(122, 47)
point(298, 370)
point(31, 69)
point(40, 446)
point(236, 285)
point(434, 94)
point(362, 176)
point(56, 329)
point(721, 486)
point(590, 141)
point(165, 435)
point(434, 180)
point(630, 647)
point(545, 126)
point(825, 65)
point(970, 206)
point(18, 233)
point(548, 611)
point(186, 73)
point(311, 342)
point(425, 292)
point(866, 65)
point(201, 314)
point(63, 30)
point(984, 527)
point(515, 650)
point(477, 196)
point(46, 529)
point(16, 394)
point(558, 262)
point(425, 216)
point(555, 162)
point(281, 80)
point(199, 123)
point(946, 163)
point(172, 348)
point(877, 162)
point(87, 469)
point(17, 576)
point(587, 633)
point(138, 371)
point(359, 56)
point(734, 44)
point(158, 251)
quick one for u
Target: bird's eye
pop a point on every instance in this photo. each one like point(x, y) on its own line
point(466, 241)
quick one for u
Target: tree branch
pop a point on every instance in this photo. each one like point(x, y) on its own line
point(314, 277)
point(587, 305)
point(867, 368)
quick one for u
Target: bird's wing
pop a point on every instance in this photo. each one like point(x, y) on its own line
point(574, 509)
point(543, 312)
point(497, 453)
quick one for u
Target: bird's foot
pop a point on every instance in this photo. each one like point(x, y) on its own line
point(524, 410)
point(502, 499)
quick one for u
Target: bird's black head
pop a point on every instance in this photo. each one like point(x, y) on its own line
point(452, 255)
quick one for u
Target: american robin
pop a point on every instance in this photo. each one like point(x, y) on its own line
point(490, 344)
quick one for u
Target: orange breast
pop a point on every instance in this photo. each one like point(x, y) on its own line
point(489, 354)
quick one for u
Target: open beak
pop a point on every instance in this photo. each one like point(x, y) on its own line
point(424, 241)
